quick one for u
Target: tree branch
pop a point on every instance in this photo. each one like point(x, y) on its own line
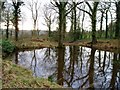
point(85, 11)
point(89, 6)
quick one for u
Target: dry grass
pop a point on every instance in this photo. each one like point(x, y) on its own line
point(107, 45)
point(112, 45)
point(0, 72)
point(17, 77)
point(34, 43)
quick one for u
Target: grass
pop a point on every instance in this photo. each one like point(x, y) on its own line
point(15, 76)
point(0, 72)
point(34, 43)
point(112, 45)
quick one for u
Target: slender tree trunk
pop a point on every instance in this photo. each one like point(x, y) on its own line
point(104, 61)
point(64, 29)
point(111, 26)
point(34, 29)
point(114, 72)
point(82, 25)
point(99, 59)
point(71, 28)
point(94, 12)
point(75, 37)
point(49, 30)
point(101, 22)
point(7, 33)
point(106, 34)
point(16, 24)
point(117, 31)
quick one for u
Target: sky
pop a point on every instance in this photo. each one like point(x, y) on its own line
point(27, 18)
point(26, 22)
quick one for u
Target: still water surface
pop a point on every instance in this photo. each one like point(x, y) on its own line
point(73, 66)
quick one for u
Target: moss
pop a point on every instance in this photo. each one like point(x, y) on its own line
point(17, 77)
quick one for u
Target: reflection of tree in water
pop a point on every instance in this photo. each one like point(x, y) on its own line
point(49, 55)
point(70, 68)
point(97, 74)
point(34, 62)
point(76, 67)
point(16, 57)
point(115, 80)
point(89, 77)
point(60, 64)
point(91, 69)
point(31, 61)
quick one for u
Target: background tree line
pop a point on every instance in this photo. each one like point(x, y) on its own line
point(64, 12)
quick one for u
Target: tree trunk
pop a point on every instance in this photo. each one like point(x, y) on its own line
point(106, 34)
point(82, 24)
point(60, 68)
point(49, 30)
point(117, 31)
point(75, 37)
point(91, 69)
point(71, 27)
point(7, 33)
point(101, 21)
point(94, 40)
point(62, 23)
point(34, 29)
point(94, 12)
point(16, 24)
point(115, 70)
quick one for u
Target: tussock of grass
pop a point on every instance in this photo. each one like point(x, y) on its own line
point(112, 45)
point(17, 77)
point(34, 43)
point(0, 71)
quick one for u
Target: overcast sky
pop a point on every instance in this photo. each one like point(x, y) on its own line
point(27, 24)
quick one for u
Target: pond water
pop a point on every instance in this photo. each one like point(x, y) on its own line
point(73, 66)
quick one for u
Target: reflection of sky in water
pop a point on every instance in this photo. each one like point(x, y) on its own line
point(46, 65)
point(43, 68)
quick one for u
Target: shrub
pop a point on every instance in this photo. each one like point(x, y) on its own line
point(7, 46)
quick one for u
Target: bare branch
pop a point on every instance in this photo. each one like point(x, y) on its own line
point(89, 6)
point(85, 11)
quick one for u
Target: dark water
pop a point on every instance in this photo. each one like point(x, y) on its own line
point(73, 66)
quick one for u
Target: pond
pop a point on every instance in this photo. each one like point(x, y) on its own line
point(73, 66)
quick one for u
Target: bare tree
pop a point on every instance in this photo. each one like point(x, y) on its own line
point(92, 14)
point(63, 11)
point(48, 17)
point(16, 12)
point(34, 6)
point(62, 20)
point(7, 17)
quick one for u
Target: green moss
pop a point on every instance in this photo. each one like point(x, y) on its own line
point(17, 77)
